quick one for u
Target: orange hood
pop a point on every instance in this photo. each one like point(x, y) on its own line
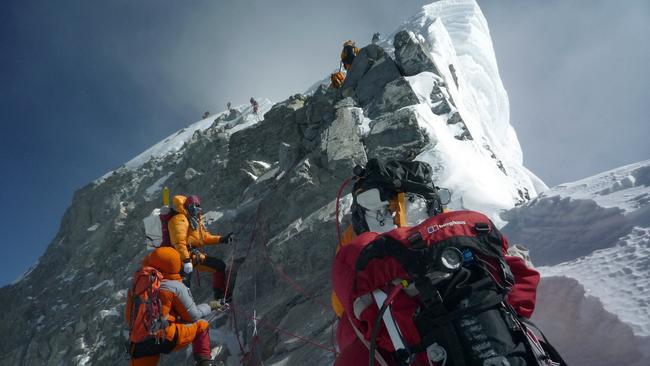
point(166, 260)
point(179, 204)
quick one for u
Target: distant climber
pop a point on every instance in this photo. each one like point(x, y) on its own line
point(161, 314)
point(375, 38)
point(206, 114)
point(416, 284)
point(350, 51)
point(229, 106)
point(337, 79)
point(254, 105)
point(188, 234)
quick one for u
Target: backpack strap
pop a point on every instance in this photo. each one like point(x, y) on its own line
point(546, 345)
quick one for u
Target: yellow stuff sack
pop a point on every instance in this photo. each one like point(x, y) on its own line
point(337, 80)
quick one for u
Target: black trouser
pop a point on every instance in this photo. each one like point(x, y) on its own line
point(219, 277)
point(152, 347)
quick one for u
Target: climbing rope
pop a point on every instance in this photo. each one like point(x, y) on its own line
point(278, 269)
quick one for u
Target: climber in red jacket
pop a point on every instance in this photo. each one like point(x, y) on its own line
point(393, 260)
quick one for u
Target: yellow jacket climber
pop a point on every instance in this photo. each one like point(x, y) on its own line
point(350, 51)
point(187, 232)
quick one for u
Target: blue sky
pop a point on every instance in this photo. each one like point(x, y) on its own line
point(87, 85)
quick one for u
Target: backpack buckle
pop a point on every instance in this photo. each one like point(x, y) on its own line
point(416, 241)
point(482, 228)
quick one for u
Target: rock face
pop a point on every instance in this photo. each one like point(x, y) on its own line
point(273, 182)
point(397, 136)
point(371, 70)
point(412, 55)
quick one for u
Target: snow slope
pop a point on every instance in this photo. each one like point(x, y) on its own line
point(175, 142)
point(619, 276)
point(595, 231)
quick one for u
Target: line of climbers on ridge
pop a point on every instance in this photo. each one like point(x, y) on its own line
point(255, 107)
point(348, 54)
point(160, 313)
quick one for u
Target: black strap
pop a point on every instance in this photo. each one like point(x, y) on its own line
point(152, 347)
point(548, 347)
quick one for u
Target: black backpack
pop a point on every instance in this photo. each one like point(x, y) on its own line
point(392, 177)
point(349, 54)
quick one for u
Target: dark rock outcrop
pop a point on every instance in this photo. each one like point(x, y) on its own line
point(411, 55)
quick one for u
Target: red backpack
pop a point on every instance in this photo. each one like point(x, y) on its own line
point(143, 306)
point(436, 294)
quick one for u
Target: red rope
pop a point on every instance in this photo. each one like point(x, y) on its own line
point(251, 353)
point(232, 261)
point(295, 336)
point(277, 268)
point(234, 320)
point(232, 257)
point(281, 330)
point(288, 279)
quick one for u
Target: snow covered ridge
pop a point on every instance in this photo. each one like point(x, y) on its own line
point(173, 143)
point(464, 109)
point(596, 231)
point(626, 187)
point(462, 38)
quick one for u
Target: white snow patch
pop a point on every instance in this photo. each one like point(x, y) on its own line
point(120, 295)
point(212, 216)
point(618, 276)
point(249, 118)
point(263, 164)
point(253, 176)
point(59, 307)
point(364, 127)
point(105, 283)
point(82, 359)
point(94, 227)
point(422, 85)
point(69, 278)
point(106, 313)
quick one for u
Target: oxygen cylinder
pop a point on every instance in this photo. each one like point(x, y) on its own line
point(165, 194)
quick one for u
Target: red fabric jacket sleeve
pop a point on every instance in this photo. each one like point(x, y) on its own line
point(524, 292)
